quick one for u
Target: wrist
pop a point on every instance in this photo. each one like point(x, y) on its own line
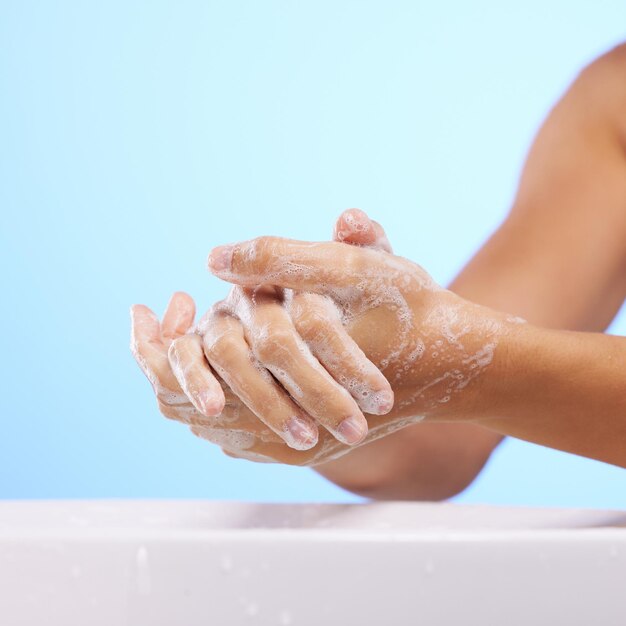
point(512, 374)
point(464, 365)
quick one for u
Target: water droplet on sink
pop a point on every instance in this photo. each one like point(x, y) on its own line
point(144, 583)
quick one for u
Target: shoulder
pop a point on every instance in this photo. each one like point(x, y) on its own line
point(601, 88)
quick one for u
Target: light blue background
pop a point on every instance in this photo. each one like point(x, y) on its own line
point(134, 136)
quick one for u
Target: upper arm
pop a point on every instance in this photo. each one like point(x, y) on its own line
point(577, 161)
point(559, 259)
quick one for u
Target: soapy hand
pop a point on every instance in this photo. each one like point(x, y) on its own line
point(431, 345)
point(173, 358)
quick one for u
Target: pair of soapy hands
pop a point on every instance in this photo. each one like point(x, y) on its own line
point(313, 337)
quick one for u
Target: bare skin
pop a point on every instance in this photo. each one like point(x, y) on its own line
point(240, 337)
point(449, 359)
point(557, 261)
point(436, 460)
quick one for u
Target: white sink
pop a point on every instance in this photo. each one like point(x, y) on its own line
point(192, 563)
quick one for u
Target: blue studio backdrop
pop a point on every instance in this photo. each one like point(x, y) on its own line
point(135, 136)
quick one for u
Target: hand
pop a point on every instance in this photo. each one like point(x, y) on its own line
point(431, 344)
point(208, 403)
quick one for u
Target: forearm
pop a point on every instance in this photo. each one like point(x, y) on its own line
point(558, 261)
point(429, 461)
point(565, 390)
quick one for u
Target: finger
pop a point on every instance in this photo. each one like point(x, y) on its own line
point(276, 344)
point(318, 267)
point(229, 354)
point(187, 360)
point(356, 228)
point(254, 450)
point(151, 355)
point(144, 325)
point(276, 452)
point(178, 315)
point(250, 456)
point(318, 322)
point(145, 340)
point(231, 443)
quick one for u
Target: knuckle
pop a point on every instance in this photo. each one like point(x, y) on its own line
point(176, 350)
point(270, 345)
point(257, 253)
point(206, 322)
point(262, 246)
point(311, 312)
point(313, 322)
point(309, 324)
point(304, 302)
point(220, 346)
point(183, 347)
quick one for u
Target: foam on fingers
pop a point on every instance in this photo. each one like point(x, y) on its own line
point(230, 356)
point(278, 346)
point(289, 264)
point(145, 341)
point(318, 321)
point(144, 325)
point(186, 358)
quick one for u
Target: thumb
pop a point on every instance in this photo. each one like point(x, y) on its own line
point(356, 228)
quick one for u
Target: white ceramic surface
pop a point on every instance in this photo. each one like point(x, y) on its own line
point(192, 563)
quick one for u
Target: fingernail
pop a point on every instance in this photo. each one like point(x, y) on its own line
point(221, 258)
point(351, 430)
point(357, 221)
point(299, 434)
point(360, 217)
point(211, 406)
point(385, 401)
